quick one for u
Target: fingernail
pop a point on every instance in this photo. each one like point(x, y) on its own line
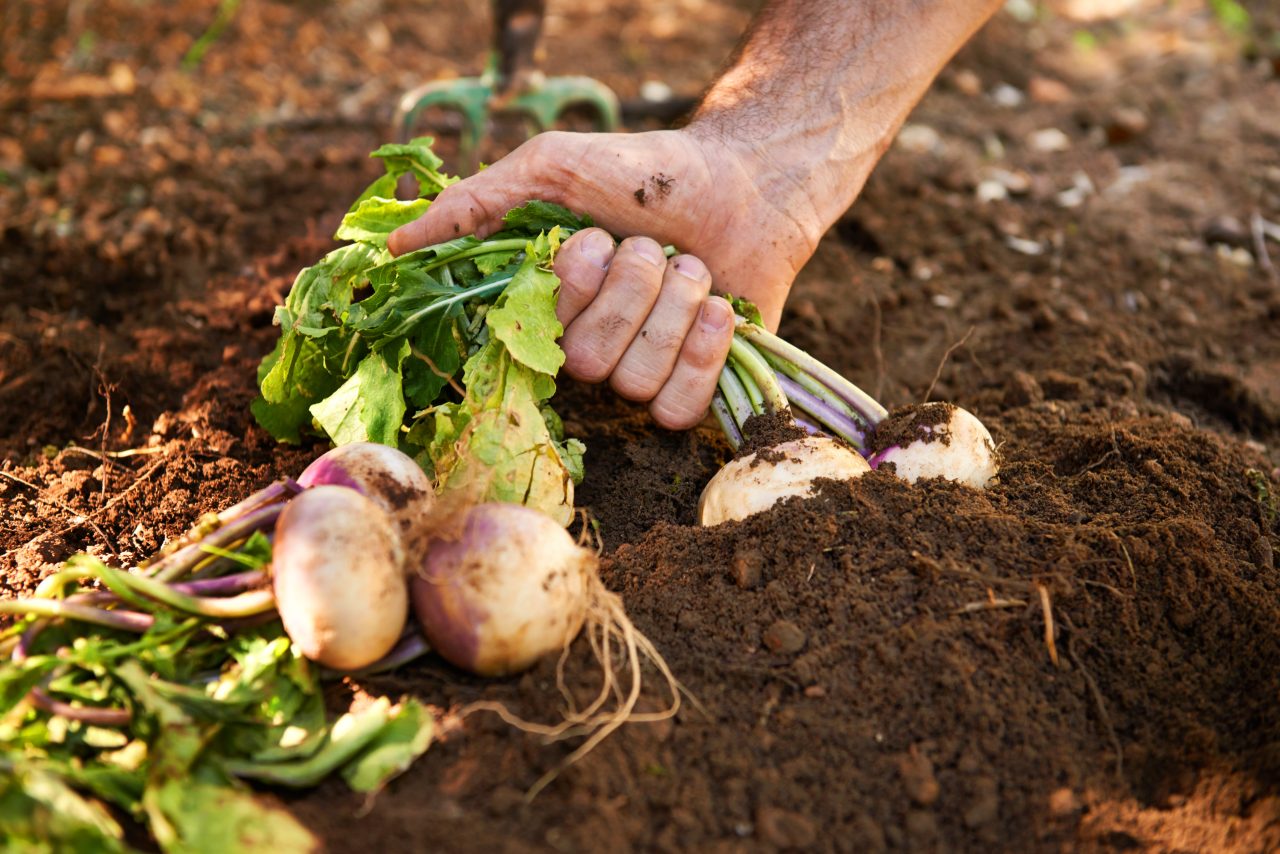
point(691, 268)
point(715, 315)
point(597, 247)
point(650, 251)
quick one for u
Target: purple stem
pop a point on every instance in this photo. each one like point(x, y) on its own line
point(281, 490)
point(807, 425)
point(720, 409)
point(127, 621)
point(87, 714)
point(41, 699)
point(831, 418)
point(176, 564)
point(768, 343)
point(96, 598)
point(410, 646)
point(226, 585)
point(22, 651)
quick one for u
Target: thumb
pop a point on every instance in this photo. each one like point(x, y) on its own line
point(477, 204)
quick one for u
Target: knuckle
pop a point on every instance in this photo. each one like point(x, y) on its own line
point(583, 362)
point(634, 383)
point(703, 353)
point(543, 160)
point(678, 414)
point(629, 276)
point(662, 339)
point(640, 243)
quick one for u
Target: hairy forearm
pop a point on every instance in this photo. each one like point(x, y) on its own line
point(818, 88)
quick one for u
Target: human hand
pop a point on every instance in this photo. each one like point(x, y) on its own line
point(645, 323)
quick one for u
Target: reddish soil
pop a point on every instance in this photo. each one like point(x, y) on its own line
point(1084, 657)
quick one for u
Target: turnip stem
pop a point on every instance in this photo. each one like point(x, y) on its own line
point(863, 403)
point(720, 409)
point(177, 564)
point(735, 397)
point(241, 605)
point(807, 426)
point(765, 379)
point(91, 715)
point(226, 585)
point(127, 621)
point(755, 400)
point(836, 422)
point(485, 248)
point(281, 490)
point(789, 370)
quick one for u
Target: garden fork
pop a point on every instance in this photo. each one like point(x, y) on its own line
point(510, 85)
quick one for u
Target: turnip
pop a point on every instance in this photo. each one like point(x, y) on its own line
point(756, 482)
point(338, 576)
point(766, 375)
point(510, 586)
point(380, 472)
point(936, 440)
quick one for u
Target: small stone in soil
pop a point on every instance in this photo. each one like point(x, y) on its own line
point(784, 637)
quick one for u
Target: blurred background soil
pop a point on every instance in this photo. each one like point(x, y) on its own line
point(1069, 238)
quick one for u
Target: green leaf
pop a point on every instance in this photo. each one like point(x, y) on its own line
point(350, 735)
point(747, 309)
point(492, 262)
point(196, 817)
point(412, 158)
point(376, 217)
point(17, 680)
point(297, 367)
point(40, 812)
point(495, 445)
point(398, 308)
point(535, 216)
point(368, 407)
point(404, 738)
point(571, 452)
point(284, 421)
point(434, 357)
point(524, 318)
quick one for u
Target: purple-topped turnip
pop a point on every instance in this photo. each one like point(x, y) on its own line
point(380, 472)
point(510, 588)
point(756, 482)
point(936, 440)
point(338, 575)
point(764, 375)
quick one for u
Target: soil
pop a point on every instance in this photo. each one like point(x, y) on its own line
point(912, 423)
point(1082, 657)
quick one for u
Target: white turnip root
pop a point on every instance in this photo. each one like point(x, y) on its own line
point(756, 482)
point(338, 576)
point(510, 589)
point(382, 473)
point(936, 440)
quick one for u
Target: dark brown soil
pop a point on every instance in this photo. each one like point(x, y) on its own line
point(761, 432)
point(1086, 656)
point(912, 423)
